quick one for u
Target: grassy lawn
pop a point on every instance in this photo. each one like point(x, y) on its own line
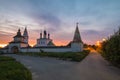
point(73, 56)
point(10, 69)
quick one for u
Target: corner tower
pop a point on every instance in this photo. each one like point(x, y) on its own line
point(77, 37)
point(77, 44)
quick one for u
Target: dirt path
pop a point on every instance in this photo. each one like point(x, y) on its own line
point(93, 67)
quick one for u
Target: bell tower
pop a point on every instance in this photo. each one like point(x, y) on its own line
point(25, 35)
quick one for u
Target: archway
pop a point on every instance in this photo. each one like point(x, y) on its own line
point(14, 49)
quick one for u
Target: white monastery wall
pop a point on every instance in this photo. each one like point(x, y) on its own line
point(46, 49)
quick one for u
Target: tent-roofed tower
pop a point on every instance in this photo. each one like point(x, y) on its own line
point(76, 44)
point(25, 35)
point(77, 37)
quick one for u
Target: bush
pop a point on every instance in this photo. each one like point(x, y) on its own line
point(10, 69)
point(111, 49)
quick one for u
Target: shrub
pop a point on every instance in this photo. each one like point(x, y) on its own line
point(111, 49)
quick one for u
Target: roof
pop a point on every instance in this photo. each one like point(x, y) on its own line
point(77, 37)
point(25, 32)
point(18, 34)
point(50, 43)
point(69, 44)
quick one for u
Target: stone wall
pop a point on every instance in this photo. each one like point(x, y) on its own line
point(67, 49)
point(75, 47)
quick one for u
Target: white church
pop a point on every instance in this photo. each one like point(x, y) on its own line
point(43, 44)
point(44, 40)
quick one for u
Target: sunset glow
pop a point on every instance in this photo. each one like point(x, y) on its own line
point(3, 45)
point(97, 19)
point(98, 43)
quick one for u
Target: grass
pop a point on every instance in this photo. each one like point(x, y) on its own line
point(10, 69)
point(6, 58)
point(73, 56)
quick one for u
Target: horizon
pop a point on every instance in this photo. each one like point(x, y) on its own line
point(98, 19)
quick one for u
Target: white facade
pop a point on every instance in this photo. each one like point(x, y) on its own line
point(44, 43)
point(18, 42)
point(44, 40)
point(46, 49)
point(75, 47)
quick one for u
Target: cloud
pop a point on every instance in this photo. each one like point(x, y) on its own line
point(3, 33)
point(85, 23)
point(92, 36)
point(91, 32)
point(97, 18)
point(5, 37)
point(50, 21)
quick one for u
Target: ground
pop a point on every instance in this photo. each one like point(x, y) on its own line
point(93, 67)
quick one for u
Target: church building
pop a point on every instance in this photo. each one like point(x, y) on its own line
point(44, 40)
point(18, 41)
point(44, 43)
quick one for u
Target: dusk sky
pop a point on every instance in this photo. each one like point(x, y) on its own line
point(97, 19)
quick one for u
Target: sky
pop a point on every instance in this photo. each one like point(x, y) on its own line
point(97, 19)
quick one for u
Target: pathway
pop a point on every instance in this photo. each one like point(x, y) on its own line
point(93, 67)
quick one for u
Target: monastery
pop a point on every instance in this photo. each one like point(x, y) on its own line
point(43, 44)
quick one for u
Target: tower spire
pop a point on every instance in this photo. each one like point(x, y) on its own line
point(45, 34)
point(25, 35)
point(77, 37)
point(48, 36)
point(41, 34)
point(77, 24)
point(19, 33)
point(25, 32)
